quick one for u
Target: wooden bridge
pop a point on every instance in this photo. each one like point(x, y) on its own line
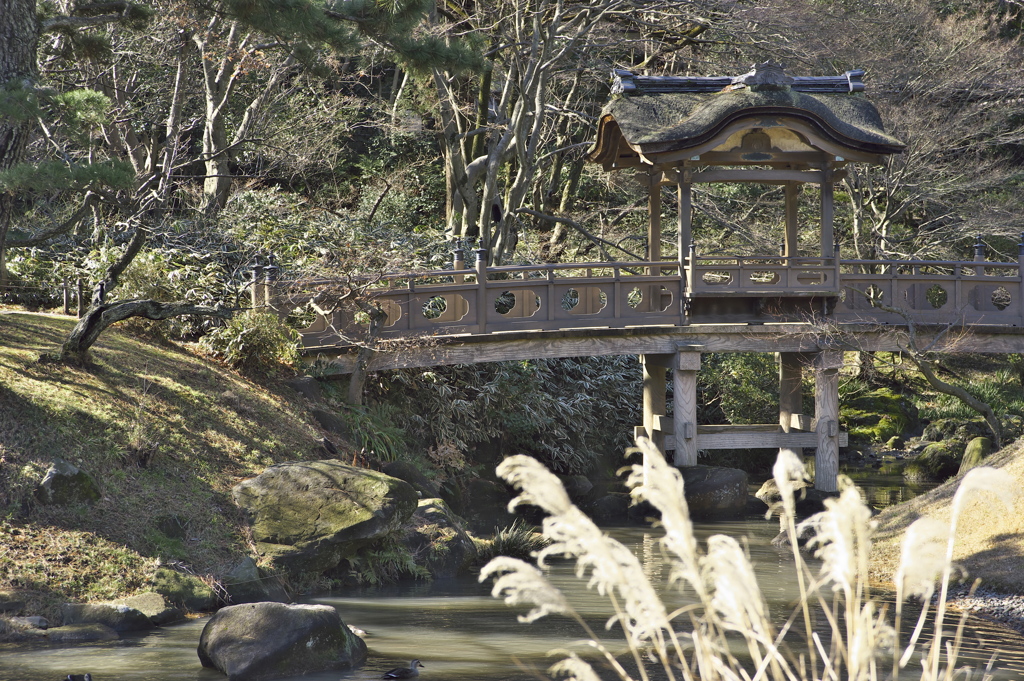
point(807, 303)
point(808, 310)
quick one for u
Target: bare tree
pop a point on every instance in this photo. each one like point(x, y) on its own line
point(519, 142)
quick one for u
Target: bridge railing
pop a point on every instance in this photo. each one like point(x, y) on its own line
point(931, 292)
point(761, 276)
point(645, 294)
point(500, 299)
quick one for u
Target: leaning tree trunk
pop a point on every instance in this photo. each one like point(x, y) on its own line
point(357, 381)
point(98, 317)
point(19, 37)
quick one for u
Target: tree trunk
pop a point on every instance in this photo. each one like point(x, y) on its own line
point(98, 317)
point(19, 38)
point(357, 381)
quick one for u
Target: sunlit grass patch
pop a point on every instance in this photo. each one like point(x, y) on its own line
point(162, 430)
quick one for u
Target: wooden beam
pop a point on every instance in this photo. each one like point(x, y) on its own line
point(827, 213)
point(684, 234)
point(527, 344)
point(654, 219)
point(654, 396)
point(791, 366)
point(757, 175)
point(751, 437)
point(790, 394)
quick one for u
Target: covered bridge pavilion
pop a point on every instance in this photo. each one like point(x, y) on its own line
point(762, 127)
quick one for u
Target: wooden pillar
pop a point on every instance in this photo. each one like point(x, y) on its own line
point(827, 211)
point(257, 292)
point(826, 412)
point(790, 247)
point(1020, 274)
point(685, 194)
point(655, 367)
point(684, 407)
point(790, 393)
point(654, 217)
point(481, 289)
point(684, 235)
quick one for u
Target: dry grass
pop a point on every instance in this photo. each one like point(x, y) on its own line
point(726, 633)
point(165, 432)
point(990, 544)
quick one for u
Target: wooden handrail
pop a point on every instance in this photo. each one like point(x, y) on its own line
point(484, 299)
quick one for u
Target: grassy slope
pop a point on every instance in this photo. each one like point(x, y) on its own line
point(203, 428)
point(990, 537)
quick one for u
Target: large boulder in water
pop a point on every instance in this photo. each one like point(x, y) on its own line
point(714, 491)
point(308, 516)
point(259, 641)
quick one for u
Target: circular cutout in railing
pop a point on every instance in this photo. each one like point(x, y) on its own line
point(301, 317)
point(764, 277)
point(1001, 298)
point(635, 298)
point(873, 294)
point(584, 301)
point(936, 296)
point(663, 299)
point(504, 303)
point(392, 309)
point(571, 299)
point(717, 278)
point(435, 307)
point(517, 303)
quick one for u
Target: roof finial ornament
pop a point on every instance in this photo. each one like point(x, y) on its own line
point(765, 76)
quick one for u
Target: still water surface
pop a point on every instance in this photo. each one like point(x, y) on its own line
point(458, 630)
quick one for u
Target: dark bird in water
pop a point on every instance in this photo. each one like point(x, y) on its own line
point(409, 672)
point(78, 677)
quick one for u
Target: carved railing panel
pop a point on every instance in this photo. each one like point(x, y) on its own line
point(760, 276)
point(932, 292)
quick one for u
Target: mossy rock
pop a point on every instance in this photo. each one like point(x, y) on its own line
point(309, 516)
point(974, 455)
point(939, 461)
point(184, 590)
point(878, 416)
point(437, 540)
point(64, 484)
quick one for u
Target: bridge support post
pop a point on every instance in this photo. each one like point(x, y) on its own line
point(826, 412)
point(791, 371)
point(655, 367)
point(684, 407)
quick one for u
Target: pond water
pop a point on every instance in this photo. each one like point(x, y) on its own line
point(459, 631)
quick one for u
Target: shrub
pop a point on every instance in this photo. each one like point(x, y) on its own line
point(517, 540)
point(254, 341)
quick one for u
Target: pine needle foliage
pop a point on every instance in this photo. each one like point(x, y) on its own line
point(728, 634)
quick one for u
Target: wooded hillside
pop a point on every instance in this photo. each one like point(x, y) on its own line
point(161, 149)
